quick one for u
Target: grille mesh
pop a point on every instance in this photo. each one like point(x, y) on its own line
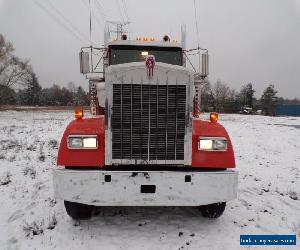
point(148, 122)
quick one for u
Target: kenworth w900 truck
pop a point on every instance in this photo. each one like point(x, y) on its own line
point(145, 144)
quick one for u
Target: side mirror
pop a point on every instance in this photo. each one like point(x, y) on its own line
point(84, 60)
point(205, 64)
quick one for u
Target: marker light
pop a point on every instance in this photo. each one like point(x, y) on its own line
point(138, 38)
point(175, 41)
point(212, 144)
point(78, 113)
point(144, 53)
point(214, 117)
point(166, 38)
point(152, 39)
point(145, 39)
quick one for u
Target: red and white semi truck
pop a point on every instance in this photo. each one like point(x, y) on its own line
point(145, 144)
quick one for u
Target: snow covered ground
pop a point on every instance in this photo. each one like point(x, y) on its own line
point(267, 151)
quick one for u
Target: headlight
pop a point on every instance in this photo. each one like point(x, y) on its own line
point(212, 144)
point(75, 142)
point(82, 142)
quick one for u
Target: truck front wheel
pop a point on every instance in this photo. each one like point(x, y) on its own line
point(213, 211)
point(78, 211)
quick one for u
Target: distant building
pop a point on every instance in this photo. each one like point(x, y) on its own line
point(287, 110)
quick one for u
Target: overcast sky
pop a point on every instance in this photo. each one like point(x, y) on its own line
point(254, 41)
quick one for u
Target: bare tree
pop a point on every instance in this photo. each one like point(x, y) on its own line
point(71, 87)
point(17, 72)
point(221, 93)
point(207, 99)
point(13, 70)
point(6, 48)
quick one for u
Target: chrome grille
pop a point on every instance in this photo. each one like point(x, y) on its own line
point(148, 122)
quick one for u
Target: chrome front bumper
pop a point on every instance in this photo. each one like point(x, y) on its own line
point(144, 188)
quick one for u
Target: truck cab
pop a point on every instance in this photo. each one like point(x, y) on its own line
point(124, 51)
point(147, 147)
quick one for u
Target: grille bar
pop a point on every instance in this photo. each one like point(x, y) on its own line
point(148, 122)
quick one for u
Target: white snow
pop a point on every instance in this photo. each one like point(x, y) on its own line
point(267, 151)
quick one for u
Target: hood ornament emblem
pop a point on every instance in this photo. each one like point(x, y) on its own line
point(150, 63)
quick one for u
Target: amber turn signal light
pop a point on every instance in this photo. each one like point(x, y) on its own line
point(78, 113)
point(214, 117)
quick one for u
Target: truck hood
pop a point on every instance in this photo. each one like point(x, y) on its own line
point(136, 73)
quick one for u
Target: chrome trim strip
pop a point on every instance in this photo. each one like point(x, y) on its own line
point(157, 119)
point(121, 121)
point(146, 162)
point(141, 115)
point(189, 116)
point(175, 141)
point(108, 137)
point(149, 124)
point(131, 95)
point(167, 112)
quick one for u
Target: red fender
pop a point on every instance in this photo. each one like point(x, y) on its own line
point(211, 159)
point(83, 157)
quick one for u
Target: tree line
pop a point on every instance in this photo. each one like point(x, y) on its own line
point(17, 73)
point(221, 98)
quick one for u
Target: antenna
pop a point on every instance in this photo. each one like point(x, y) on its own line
point(183, 41)
point(119, 28)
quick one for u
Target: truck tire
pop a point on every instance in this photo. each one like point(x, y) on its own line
point(78, 211)
point(213, 211)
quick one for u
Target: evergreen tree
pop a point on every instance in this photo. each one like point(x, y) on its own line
point(67, 97)
point(247, 95)
point(57, 96)
point(31, 94)
point(46, 97)
point(81, 97)
point(7, 95)
point(33, 91)
point(269, 100)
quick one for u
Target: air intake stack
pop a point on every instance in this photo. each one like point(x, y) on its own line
point(199, 79)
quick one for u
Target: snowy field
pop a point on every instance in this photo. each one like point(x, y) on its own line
point(267, 151)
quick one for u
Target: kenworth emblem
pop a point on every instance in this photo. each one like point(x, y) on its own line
point(150, 63)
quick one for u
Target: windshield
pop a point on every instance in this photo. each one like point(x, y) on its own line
point(127, 54)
